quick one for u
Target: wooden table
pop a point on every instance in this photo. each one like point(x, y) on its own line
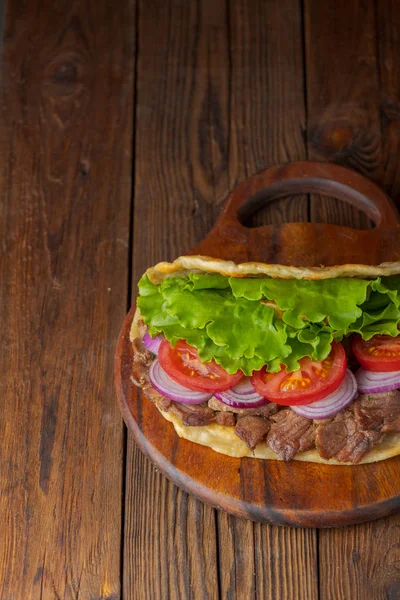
point(123, 126)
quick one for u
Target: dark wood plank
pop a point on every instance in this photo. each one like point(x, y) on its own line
point(180, 179)
point(286, 562)
point(267, 110)
point(266, 562)
point(65, 137)
point(267, 124)
point(388, 48)
point(345, 103)
point(343, 117)
point(361, 562)
point(169, 541)
point(165, 174)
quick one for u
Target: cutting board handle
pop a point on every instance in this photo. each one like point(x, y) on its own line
point(305, 244)
point(310, 177)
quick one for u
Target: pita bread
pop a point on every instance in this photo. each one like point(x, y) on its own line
point(186, 264)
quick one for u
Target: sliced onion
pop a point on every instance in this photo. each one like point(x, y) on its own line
point(152, 343)
point(242, 395)
point(164, 384)
point(373, 382)
point(333, 403)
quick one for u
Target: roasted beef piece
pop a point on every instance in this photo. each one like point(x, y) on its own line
point(343, 439)
point(330, 437)
point(142, 359)
point(290, 433)
point(357, 445)
point(307, 440)
point(226, 418)
point(378, 412)
point(159, 400)
point(252, 430)
point(262, 411)
point(194, 415)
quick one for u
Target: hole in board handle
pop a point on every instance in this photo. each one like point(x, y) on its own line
point(348, 208)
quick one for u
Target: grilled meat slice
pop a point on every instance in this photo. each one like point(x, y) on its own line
point(331, 437)
point(194, 415)
point(262, 411)
point(289, 434)
point(343, 439)
point(357, 445)
point(378, 412)
point(307, 440)
point(226, 418)
point(142, 359)
point(252, 430)
point(159, 400)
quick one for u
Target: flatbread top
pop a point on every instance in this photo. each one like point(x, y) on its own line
point(183, 265)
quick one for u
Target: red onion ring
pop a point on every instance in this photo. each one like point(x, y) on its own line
point(167, 387)
point(152, 343)
point(374, 382)
point(333, 403)
point(242, 395)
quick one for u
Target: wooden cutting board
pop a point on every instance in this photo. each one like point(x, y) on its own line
point(295, 493)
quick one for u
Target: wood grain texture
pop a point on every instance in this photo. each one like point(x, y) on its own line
point(388, 48)
point(205, 176)
point(267, 124)
point(180, 180)
point(343, 118)
point(221, 98)
point(267, 110)
point(170, 539)
point(353, 120)
point(65, 183)
point(266, 562)
point(361, 562)
point(285, 563)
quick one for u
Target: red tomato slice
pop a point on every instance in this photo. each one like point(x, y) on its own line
point(380, 353)
point(183, 365)
point(313, 381)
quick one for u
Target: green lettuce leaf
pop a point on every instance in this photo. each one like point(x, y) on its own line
point(233, 320)
point(337, 300)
